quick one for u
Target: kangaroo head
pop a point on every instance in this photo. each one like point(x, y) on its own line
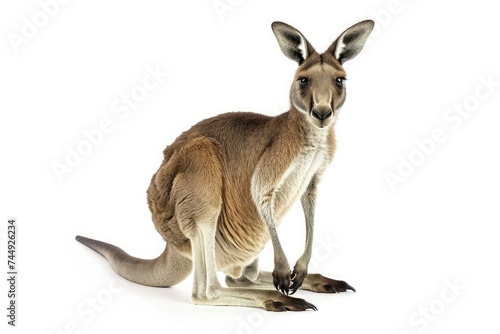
point(318, 89)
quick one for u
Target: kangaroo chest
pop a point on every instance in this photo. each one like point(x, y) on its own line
point(297, 177)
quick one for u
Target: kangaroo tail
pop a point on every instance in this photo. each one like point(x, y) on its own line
point(168, 269)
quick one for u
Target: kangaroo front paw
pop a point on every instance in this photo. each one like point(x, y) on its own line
point(282, 279)
point(298, 276)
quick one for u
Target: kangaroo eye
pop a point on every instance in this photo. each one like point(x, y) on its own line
point(303, 82)
point(339, 82)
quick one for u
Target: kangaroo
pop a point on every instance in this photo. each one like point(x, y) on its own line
point(225, 184)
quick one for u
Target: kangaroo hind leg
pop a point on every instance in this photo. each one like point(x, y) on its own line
point(208, 291)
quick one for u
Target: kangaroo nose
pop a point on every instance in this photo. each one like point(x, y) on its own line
point(322, 113)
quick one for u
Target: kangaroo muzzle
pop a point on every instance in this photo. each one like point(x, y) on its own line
point(321, 112)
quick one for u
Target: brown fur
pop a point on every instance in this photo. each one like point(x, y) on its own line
point(240, 140)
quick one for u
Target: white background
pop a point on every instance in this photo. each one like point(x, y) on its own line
point(399, 247)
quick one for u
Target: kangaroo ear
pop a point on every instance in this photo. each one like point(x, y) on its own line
point(293, 44)
point(351, 41)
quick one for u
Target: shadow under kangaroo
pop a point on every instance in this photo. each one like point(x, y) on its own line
point(225, 184)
